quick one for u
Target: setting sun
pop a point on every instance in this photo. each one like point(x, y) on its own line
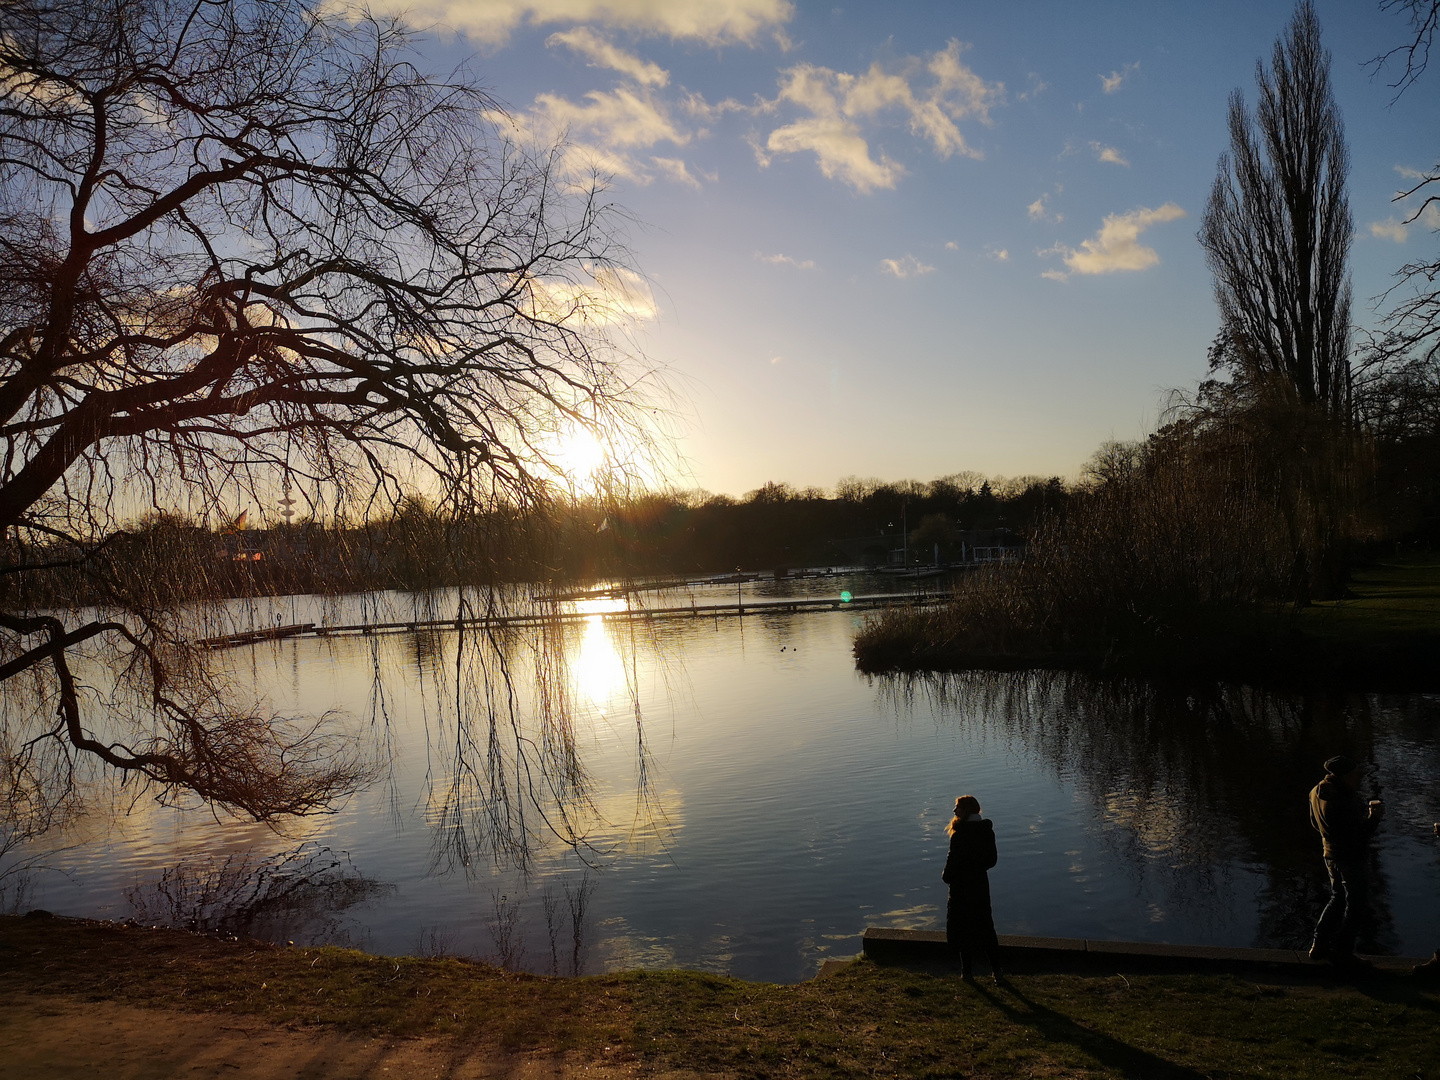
point(579, 455)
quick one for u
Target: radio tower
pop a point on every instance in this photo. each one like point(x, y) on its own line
point(287, 502)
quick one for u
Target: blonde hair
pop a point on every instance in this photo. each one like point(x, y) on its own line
point(965, 806)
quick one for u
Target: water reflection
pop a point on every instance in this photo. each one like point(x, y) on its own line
point(785, 802)
point(598, 670)
point(503, 764)
point(515, 717)
point(1193, 781)
point(300, 893)
point(510, 925)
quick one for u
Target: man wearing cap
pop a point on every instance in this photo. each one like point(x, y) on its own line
point(1346, 824)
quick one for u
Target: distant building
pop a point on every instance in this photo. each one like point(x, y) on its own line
point(963, 547)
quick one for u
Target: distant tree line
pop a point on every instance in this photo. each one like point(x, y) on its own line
point(778, 526)
point(421, 545)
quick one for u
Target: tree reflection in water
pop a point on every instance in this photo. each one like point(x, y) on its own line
point(490, 731)
point(1199, 780)
point(298, 893)
point(507, 708)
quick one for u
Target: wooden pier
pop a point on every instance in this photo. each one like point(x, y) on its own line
point(732, 609)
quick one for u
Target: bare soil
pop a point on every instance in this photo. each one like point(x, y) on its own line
point(60, 1037)
point(80, 998)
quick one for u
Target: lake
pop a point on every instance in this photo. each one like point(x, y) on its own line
point(750, 803)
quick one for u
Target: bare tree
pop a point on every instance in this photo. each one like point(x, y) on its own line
point(1415, 52)
point(1401, 363)
point(1277, 234)
point(242, 242)
point(1277, 231)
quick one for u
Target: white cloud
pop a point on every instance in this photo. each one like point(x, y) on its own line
point(714, 22)
point(909, 266)
point(951, 245)
point(674, 169)
point(623, 117)
point(1108, 154)
point(1037, 87)
point(958, 92)
point(1398, 229)
point(1115, 247)
point(998, 254)
point(776, 359)
point(1112, 82)
point(607, 131)
point(1390, 229)
point(603, 53)
point(52, 95)
point(839, 148)
point(933, 93)
point(1039, 210)
point(695, 106)
point(786, 260)
point(612, 296)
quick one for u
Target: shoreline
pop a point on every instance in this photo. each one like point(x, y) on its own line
point(1290, 662)
point(88, 998)
point(1384, 637)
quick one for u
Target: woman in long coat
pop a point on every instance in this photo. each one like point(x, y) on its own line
point(969, 925)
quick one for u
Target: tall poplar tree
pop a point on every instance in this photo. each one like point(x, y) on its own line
point(1277, 232)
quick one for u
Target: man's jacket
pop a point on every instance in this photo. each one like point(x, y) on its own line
point(1343, 819)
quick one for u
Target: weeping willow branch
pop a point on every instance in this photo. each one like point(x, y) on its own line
point(245, 244)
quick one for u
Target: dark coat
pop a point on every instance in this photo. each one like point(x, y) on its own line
point(1343, 820)
point(972, 852)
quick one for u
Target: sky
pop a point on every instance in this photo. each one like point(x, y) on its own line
point(904, 240)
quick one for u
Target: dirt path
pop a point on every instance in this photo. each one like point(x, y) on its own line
point(60, 1037)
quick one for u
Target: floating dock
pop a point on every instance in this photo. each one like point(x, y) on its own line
point(731, 609)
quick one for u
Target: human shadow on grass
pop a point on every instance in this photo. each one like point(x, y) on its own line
point(1408, 990)
point(1105, 1049)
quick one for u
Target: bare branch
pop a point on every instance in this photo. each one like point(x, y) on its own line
point(1415, 52)
point(241, 241)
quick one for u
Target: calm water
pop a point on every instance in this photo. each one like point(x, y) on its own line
point(770, 802)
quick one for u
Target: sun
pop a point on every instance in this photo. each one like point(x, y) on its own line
point(579, 455)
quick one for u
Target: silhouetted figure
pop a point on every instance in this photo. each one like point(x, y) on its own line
point(1346, 824)
point(969, 926)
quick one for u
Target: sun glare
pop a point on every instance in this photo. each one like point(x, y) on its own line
point(580, 455)
point(598, 670)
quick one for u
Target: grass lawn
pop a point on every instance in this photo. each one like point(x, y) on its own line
point(1389, 599)
point(868, 1020)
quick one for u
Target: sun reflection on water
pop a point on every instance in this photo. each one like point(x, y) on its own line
point(597, 668)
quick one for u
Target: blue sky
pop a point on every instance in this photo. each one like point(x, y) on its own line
point(908, 239)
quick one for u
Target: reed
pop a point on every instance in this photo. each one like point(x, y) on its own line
point(1163, 541)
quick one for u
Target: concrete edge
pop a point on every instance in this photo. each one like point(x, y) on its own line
point(885, 943)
